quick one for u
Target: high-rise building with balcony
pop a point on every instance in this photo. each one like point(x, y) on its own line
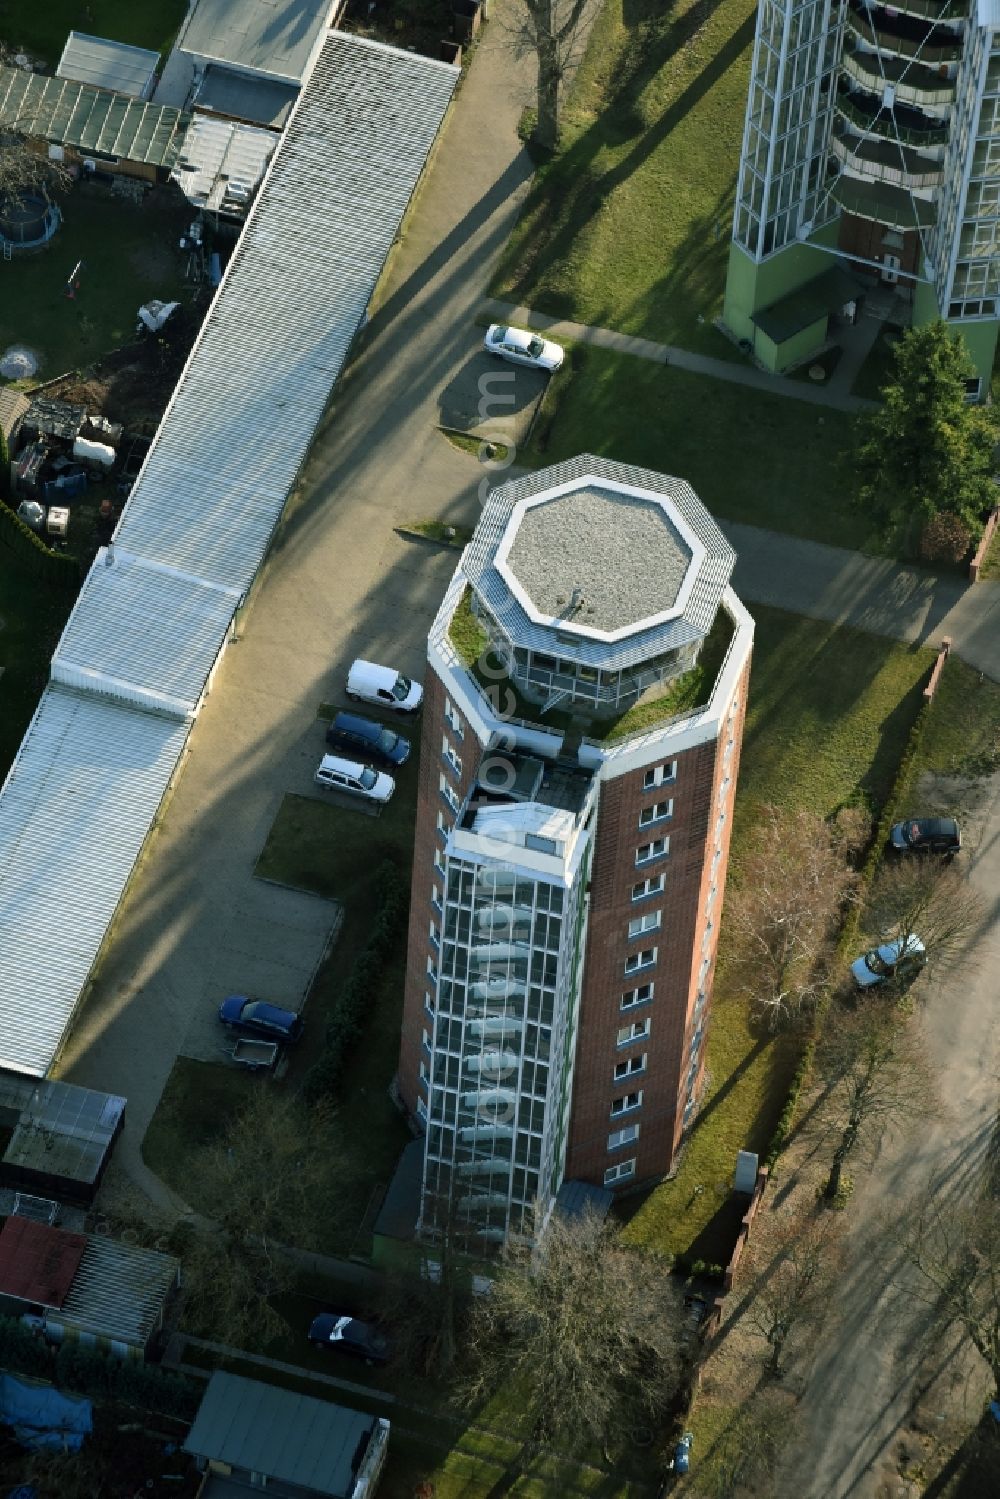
point(871, 154)
point(583, 715)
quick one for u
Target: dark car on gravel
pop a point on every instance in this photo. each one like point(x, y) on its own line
point(255, 1017)
point(348, 1335)
point(926, 835)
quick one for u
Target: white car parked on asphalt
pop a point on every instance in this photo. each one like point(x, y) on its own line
point(335, 774)
point(522, 347)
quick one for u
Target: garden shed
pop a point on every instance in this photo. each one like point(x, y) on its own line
point(109, 65)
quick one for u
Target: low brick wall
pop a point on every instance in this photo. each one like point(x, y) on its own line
point(976, 565)
point(944, 650)
point(714, 1318)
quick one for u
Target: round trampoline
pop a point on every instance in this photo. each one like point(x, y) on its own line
point(29, 223)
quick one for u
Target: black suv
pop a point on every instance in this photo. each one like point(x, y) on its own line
point(926, 835)
point(366, 740)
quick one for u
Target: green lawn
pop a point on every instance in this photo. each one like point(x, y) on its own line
point(828, 717)
point(129, 255)
point(628, 227)
point(31, 618)
point(41, 29)
point(750, 456)
point(962, 733)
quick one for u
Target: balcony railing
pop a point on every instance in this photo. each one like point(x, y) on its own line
point(934, 10)
point(911, 169)
point(882, 203)
point(885, 123)
point(910, 81)
point(879, 32)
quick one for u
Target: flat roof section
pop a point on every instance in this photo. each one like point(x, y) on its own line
point(270, 36)
point(621, 553)
point(259, 101)
point(106, 64)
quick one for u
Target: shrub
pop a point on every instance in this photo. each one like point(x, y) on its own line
point(343, 1026)
point(944, 538)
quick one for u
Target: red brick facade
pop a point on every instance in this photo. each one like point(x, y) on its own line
point(698, 798)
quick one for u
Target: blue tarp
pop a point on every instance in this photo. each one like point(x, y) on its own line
point(42, 1416)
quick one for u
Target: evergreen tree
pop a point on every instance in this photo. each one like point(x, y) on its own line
point(927, 450)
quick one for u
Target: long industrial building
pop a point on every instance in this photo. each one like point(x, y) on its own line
point(155, 612)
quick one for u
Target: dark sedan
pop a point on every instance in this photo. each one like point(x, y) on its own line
point(254, 1017)
point(926, 835)
point(348, 1335)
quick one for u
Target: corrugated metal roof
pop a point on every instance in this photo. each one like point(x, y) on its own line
point(38, 1263)
point(219, 154)
point(13, 405)
point(143, 634)
point(118, 1290)
point(270, 36)
point(90, 119)
point(291, 1438)
point(74, 812)
point(245, 409)
point(106, 64)
point(89, 776)
point(479, 565)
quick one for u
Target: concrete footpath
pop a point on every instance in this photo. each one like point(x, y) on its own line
point(736, 373)
point(870, 593)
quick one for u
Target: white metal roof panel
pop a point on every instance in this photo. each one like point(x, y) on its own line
point(239, 424)
point(143, 634)
point(74, 813)
point(107, 64)
point(216, 154)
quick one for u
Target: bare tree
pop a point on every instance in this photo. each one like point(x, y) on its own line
point(784, 908)
point(742, 1459)
point(554, 32)
point(956, 1251)
point(275, 1179)
point(25, 163)
point(425, 1304)
point(588, 1332)
point(881, 1075)
point(793, 1289)
point(926, 900)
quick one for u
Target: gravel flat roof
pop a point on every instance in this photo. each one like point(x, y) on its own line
point(620, 551)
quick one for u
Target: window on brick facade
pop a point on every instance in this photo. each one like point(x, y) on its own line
point(658, 849)
point(449, 793)
point(619, 1138)
point(452, 719)
point(640, 996)
point(626, 1104)
point(652, 886)
point(619, 1172)
point(435, 934)
point(638, 1030)
point(649, 921)
point(659, 775)
point(630, 1067)
point(658, 812)
point(452, 756)
point(635, 962)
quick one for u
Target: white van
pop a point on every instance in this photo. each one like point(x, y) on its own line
point(335, 774)
point(369, 683)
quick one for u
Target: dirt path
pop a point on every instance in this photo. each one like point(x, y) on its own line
point(878, 1359)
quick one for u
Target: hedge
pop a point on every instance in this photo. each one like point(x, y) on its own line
point(58, 568)
point(344, 1024)
point(85, 1371)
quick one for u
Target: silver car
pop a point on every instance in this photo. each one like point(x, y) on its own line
point(335, 774)
point(522, 347)
point(897, 959)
